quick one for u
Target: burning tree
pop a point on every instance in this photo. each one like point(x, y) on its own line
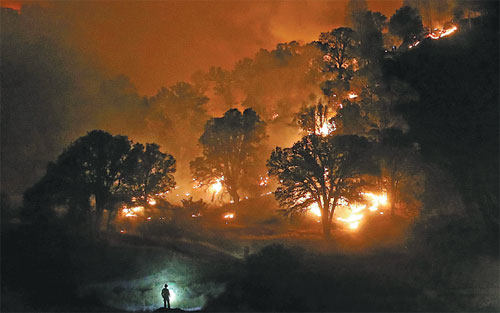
point(230, 149)
point(316, 119)
point(319, 171)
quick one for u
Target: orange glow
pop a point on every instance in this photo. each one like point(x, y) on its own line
point(443, 33)
point(217, 186)
point(229, 215)
point(350, 213)
point(132, 212)
point(16, 6)
point(413, 45)
point(325, 129)
point(352, 95)
point(151, 201)
point(314, 208)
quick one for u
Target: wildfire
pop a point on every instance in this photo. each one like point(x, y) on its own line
point(443, 33)
point(132, 212)
point(352, 95)
point(151, 201)
point(228, 215)
point(352, 211)
point(314, 208)
point(436, 35)
point(217, 186)
point(263, 181)
point(352, 220)
point(325, 129)
point(377, 200)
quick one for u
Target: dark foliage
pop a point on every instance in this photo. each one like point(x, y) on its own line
point(456, 120)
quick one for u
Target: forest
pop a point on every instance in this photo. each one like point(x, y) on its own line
point(358, 171)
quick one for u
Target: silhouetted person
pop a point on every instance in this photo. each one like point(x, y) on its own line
point(165, 293)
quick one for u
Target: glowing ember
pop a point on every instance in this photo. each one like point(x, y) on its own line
point(413, 45)
point(352, 95)
point(376, 199)
point(443, 33)
point(325, 129)
point(132, 212)
point(229, 216)
point(314, 208)
point(263, 181)
point(217, 186)
point(353, 225)
point(151, 201)
point(128, 213)
point(353, 217)
point(138, 209)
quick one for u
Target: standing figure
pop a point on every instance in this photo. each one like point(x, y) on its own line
point(165, 293)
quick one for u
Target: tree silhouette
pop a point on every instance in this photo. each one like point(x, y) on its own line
point(104, 168)
point(230, 149)
point(339, 46)
point(320, 170)
point(401, 169)
point(150, 171)
point(406, 23)
point(316, 119)
point(369, 26)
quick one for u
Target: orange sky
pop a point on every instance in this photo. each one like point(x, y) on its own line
point(161, 42)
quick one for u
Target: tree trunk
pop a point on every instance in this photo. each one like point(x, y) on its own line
point(99, 205)
point(108, 222)
point(97, 223)
point(325, 221)
point(326, 227)
point(233, 192)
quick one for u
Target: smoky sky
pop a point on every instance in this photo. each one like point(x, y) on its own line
point(70, 67)
point(161, 42)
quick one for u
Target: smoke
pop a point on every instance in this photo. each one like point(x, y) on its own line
point(68, 68)
point(51, 95)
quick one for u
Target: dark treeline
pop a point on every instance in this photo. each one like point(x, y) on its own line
point(333, 118)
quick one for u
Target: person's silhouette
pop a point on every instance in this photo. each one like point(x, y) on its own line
point(165, 293)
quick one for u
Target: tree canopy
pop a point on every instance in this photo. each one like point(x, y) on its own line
point(320, 170)
point(105, 168)
point(230, 149)
point(406, 23)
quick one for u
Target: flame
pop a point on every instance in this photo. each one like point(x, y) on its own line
point(326, 129)
point(443, 33)
point(413, 45)
point(151, 201)
point(352, 95)
point(263, 181)
point(354, 217)
point(376, 199)
point(229, 215)
point(314, 208)
point(217, 186)
point(132, 212)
